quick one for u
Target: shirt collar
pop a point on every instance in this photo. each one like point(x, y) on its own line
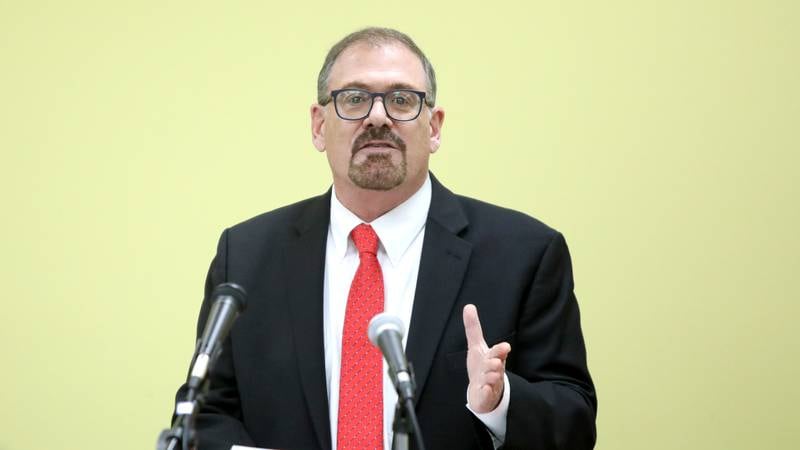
point(396, 229)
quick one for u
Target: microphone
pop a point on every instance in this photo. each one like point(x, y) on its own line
point(229, 301)
point(385, 331)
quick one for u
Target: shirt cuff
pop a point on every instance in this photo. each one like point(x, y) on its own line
point(495, 420)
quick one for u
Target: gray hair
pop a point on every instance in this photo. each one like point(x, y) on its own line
point(375, 36)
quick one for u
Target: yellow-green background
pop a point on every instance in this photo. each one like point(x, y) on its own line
point(660, 137)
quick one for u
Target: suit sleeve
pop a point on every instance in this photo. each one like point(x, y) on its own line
point(552, 404)
point(219, 423)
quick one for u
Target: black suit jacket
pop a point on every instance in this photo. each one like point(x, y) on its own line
point(268, 388)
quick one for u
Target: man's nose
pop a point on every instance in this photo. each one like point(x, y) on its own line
point(377, 116)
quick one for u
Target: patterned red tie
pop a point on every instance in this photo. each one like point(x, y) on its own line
point(361, 385)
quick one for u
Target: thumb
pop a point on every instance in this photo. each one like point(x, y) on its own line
point(472, 328)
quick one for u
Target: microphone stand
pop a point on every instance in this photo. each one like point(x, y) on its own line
point(182, 435)
point(401, 428)
point(229, 299)
point(405, 418)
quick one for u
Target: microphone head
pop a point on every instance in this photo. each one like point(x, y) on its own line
point(384, 322)
point(233, 290)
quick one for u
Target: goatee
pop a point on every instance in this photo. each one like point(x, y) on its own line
point(378, 171)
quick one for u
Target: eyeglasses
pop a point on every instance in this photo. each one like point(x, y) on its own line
point(402, 105)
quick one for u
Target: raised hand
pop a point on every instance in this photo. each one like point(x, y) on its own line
point(485, 366)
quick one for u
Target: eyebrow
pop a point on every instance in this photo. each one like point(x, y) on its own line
point(393, 86)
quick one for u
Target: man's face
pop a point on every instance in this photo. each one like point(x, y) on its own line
point(376, 152)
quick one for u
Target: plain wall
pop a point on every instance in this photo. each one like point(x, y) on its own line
point(660, 137)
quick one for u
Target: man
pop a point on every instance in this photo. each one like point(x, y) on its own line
point(297, 371)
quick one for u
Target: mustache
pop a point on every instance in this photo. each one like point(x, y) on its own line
point(378, 134)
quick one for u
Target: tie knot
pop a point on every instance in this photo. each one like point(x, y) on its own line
point(365, 239)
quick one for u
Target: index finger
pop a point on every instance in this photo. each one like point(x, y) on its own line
point(472, 328)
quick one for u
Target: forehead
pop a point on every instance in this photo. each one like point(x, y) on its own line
point(377, 67)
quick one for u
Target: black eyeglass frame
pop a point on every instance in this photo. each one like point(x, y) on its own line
point(382, 95)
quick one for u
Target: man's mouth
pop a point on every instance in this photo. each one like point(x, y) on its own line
point(378, 145)
point(378, 140)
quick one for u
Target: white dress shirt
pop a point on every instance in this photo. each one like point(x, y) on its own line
point(400, 232)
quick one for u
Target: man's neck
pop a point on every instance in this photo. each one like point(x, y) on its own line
point(368, 204)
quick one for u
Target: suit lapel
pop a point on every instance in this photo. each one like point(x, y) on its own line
point(445, 257)
point(305, 272)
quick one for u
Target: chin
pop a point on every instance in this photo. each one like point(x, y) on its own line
point(377, 183)
point(378, 173)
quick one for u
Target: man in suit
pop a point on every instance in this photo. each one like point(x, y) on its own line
point(297, 372)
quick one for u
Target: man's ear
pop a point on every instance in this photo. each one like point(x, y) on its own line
point(437, 119)
point(317, 126)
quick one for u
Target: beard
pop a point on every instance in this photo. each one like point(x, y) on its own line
point(378, 171)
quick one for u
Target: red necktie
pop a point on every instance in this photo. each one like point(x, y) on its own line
point(361, 385)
